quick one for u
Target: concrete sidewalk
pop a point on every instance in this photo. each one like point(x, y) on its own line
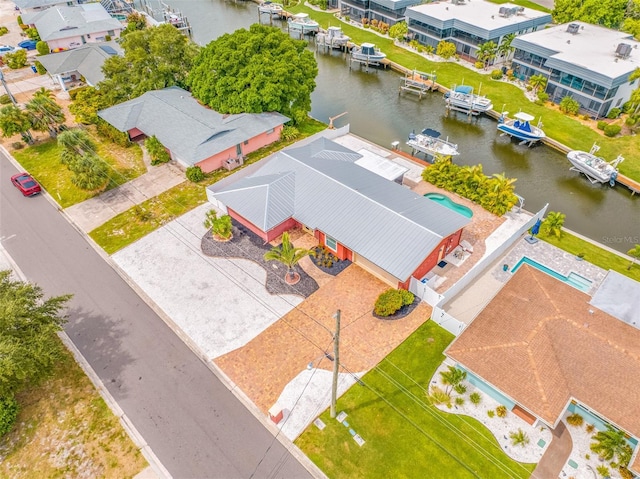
point(94, 212)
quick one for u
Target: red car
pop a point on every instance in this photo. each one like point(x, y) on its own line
point(26, 184)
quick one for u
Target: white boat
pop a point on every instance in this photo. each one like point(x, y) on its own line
point(595, 168)
point(520, 127)
point(368, 53)
point(430, 143)
point(336, 37)
point(302, 22)
point(462, 98)
point(271, 8)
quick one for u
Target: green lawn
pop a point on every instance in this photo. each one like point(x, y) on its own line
point(594, 254)
point(43, 162)
point(406, 437)
point(557, 125)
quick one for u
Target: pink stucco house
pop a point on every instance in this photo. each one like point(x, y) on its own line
point(194, 134)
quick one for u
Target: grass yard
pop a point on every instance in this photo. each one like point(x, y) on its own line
point(594, 254)
point(406, 437)
point(43, 162)
point(557, 125)
point(65, 429)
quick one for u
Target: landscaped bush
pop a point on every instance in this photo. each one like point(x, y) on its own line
point(4, 99)
point(501, 411)
point(590, 428)
point(8, 414)
point(631, 120)
point(496, 74)
point(614, 113)
point(575, 419)
point(602, 124)
point(491, 413)
point(105, 130)
point(519, 438)
point(612, 130)
point(388, 302)
point(42, 48)
point(15, 60)
point(543, 96)
point(407, 297)
point(446, 49)
point(156, 150)
point(398, 30)
point(459, 401)
point(289, 133)
point(478, 65)
point(221, 227)
point(475, 398)
point(40, 67)
point(3, 31)
point(33, 34)
point(195, 174)
point(569, 105)
point(439, 396)
point(460, 388)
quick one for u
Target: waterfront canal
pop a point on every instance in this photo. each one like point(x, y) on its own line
point(376, 112)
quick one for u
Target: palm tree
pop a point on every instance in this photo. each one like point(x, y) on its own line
point(452, 377)
point(45, 113)
point(519, 438)
point(612, 444)
point(505, 48)
point(553, 223)
point(220, 227)
point(635, 254)
point(537, 82)
point(486, 52)
point(289, 256)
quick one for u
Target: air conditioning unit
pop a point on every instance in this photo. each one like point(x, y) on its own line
point(623, 50)
point(504, 11)
point(573, 28)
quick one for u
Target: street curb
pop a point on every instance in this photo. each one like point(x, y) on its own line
point(309, 465)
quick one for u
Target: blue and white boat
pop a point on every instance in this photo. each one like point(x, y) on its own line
point(463, 99)
point(520, 127)
point(301, 22)
point(367, 53)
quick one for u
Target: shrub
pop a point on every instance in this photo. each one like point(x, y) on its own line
point(614, 113)
point(8, 414)
point(3, 31)
point(590, 428)
point(439, 396)
point(74, 93)
point(475, 398)
point(501, 411)
point(446, 49)
point(631, 121)
point(221, 227)
point(491, 413)
point(603, 470)
point(569, 105)
point(478, 65)
point(575, 419)
point(543, 96)
point(156, 150)
point(399, 30)
point(105, 130)
point(460, 388)
point(459, 401)
point(407, 297)
point(586, 117)
point(17, 145)
point(528, 87)
point(612, 130)
point(4, 99)
point(40, 68)
point(32, 33)
point(602, 125)
point(289, 133)
point(519, 438)
point(42, 48)
point(19, 20)
point(17, 59)
point(194, 174)
point(388, 302)
point(496, 74)
point(628, 106)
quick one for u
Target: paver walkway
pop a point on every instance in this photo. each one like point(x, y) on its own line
point(95, 211)
point(556, 454)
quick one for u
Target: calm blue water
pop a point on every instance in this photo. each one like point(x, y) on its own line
point(449, 203)
point(575, 280)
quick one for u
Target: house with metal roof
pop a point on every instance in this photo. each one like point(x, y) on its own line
point(542, 349)
point(359, 215)
point(469, 24)
point(589, 63)
point(68, 27)
point(387, 11)
point(192, 133)
point(80, 66)
point(27, 6)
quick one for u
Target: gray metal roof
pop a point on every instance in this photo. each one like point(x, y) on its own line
point(378, 219)
point(62, 21)
point(25, 4)
point(190, 130)
point(87, 60)
point(395, 4)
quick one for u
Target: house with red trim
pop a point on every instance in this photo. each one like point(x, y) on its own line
point(383, 227)
point(192, 133)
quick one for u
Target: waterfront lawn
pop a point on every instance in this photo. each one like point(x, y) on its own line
point(504, 95)
point(405, 435)
point(594, 254)
point(42, 160)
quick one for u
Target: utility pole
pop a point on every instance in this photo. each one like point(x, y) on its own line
point(336, 364)
point(6, 88)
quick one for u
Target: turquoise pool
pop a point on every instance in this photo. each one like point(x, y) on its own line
point(452, 205)
point(579, 282)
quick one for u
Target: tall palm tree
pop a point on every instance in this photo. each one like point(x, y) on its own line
point(486, 52)
point(505, 48)
point(553, 223)
point(612, 444)
point(452, 377)
point(537, 82)
point(45, 113)
point(635, 254)
point(289, 256)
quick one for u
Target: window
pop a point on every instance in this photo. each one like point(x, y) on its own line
point(270, 131)
point(246, 142)
point(111, 33)
point(331, 243)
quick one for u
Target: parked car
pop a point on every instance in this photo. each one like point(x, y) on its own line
point(7, 49)
point(26, 184)
point(28, 44)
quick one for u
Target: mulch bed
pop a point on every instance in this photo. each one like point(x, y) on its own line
point(337, 266)
point(402, 312)
point(247, 245)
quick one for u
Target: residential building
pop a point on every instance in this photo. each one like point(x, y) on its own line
point(67, 27)
point(385, 228)
point(542, 347)
point(469, 24)
point(192, 133)
point(387, 11)
point(27, 6)
point(81, 65)
point(589, 63)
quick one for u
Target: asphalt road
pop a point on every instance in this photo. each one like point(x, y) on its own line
point(191, 421)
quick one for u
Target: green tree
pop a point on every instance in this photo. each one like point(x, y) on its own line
point(446, 49)
point(220, 226)
point(135, 21)
point(33, 34)
point(257, 70)
point(486, 52)
point(612, 445)
point(45, 114)
point(569, 105)
point(452, 377)
point(88, 102)
point(538, 82)
point(16, 60)
point(156, 150)
point(42, 48)
point(553, 223)
point(13, 121)
point(29, 324)
point(399, 30)
point(505, 48)
point(635, 254)
point(288, 255)
point(90, 172)
point(154, 58)
point(608, 13)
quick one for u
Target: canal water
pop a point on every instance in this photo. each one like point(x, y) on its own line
point(378, 113)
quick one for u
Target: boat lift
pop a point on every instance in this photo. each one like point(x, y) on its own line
point(418, 82)
point(614, 163)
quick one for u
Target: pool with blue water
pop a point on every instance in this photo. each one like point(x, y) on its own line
point(573, 279)
point(449, 203)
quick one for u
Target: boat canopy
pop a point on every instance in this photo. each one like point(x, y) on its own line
point(432, 133)
point(523, 116)
point(300, 16)
point(368, 49)
point(464, 89)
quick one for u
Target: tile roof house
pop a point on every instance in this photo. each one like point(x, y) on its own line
point(387, 229)
point(67, 27)
point(86, 62)
point(192, 133)
point(541, 344)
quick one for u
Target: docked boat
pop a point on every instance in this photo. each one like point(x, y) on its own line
point(271, 8)
point(303, 23)
point(367, 53)
point(463, 99)
point(336, 37)
point(430, 143)
point(595, 168)
point(520, 128)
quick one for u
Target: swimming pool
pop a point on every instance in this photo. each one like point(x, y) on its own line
point(579, 282)
point(452, 205)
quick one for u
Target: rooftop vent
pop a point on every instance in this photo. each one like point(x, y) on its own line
point(623, 50)
point(519, 10)
point(457, 2)
point(504, 11)
point(573, 28)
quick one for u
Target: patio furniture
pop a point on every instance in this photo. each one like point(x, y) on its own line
point(466, 246)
